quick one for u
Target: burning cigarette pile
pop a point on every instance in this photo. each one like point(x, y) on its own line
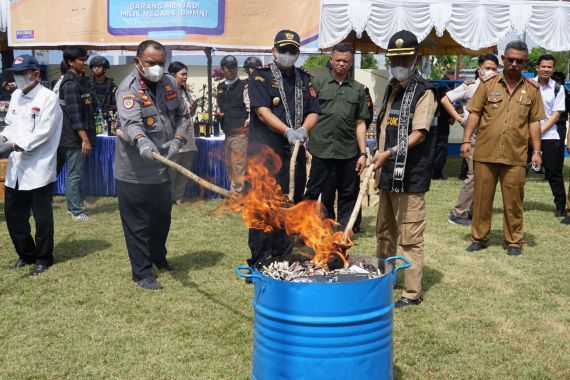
point(308, 271)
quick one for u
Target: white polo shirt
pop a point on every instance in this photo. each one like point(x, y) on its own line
point(551, 103)
point(463, 94)
point(34, 122)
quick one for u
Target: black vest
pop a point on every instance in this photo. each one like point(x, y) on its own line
point(417, 176)
point(230, 101)
point(104, 94)
point(70, 138)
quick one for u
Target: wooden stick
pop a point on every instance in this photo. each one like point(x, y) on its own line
point(181, 169)
point(361, 193)
point(292, 165)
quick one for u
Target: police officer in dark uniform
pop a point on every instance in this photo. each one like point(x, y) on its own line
point(405, 153)
point(103, 88)
point(233, 116)
point(284, 108)
point(154, 117)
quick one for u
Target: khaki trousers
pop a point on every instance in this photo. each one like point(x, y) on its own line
point(512, 180)
point(401, 219)
point(235, 150)
point(465, 197)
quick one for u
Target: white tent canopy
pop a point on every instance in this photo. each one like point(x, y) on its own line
point(473, 24)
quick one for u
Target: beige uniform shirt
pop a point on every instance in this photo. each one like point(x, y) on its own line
point(505, 119)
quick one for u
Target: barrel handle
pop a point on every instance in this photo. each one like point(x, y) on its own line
point(406, 264)
point(250, 275)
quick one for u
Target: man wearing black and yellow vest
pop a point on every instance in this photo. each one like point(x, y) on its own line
point(406, 148)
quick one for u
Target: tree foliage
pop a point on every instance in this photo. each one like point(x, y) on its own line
point(441, 65)
point(367, 61)
point(560, 56)
point(317, 61)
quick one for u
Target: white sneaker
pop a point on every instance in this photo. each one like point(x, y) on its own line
point(81, 217)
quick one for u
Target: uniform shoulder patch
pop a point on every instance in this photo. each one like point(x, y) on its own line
point(488, 77)
point(305, 71)
point(259, 78)
point(128, 101)
point(532, 82)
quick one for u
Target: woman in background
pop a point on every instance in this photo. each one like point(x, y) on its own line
point(186, 153)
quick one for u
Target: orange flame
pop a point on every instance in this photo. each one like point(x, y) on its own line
point(265, 207)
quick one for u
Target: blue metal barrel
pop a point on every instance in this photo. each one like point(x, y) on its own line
point(321, 331)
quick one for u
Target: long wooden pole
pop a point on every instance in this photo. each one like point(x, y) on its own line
point(181, 169)
point(356, 210)
point(292, 165)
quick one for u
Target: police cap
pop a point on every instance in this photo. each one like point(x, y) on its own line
point(402, 43)
point(286, 38)
point(99, 61)
point(252, 62)
point(229, 61)
point(24, 62)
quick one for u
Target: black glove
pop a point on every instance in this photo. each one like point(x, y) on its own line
point(292, 136)
point(6, 149)
point(146, 147)
point(170, 148)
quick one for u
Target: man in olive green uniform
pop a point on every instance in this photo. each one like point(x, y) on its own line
point(338, 142)
point(406, 148)
point(507, 108)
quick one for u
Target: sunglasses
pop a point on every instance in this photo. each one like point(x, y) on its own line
point(515, 61)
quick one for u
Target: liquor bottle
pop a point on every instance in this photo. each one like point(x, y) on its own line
point(216, 128)
point(99, 122)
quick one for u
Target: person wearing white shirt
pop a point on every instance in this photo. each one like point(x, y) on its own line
point(552, 145)
point(30, 142)
point(488, 64)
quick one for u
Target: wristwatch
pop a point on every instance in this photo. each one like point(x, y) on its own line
point(539, 152)
point(182, 140)
point(364, 154)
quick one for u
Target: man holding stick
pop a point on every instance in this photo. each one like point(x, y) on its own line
point(406, 148)
point(153, 116)
point(284, 108)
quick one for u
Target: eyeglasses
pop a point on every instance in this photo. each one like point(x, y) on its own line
point(515, 61)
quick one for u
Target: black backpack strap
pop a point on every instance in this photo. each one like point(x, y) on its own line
point(556, 88)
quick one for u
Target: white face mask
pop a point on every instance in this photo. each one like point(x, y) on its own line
point(286, 60)
point(23, 81)
point(152, 73)
point(401, 73)
point(485, 73)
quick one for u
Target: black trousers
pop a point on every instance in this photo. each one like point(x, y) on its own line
point(440, 157)
point(17, 207)
point(276, 243)
point(145, 215)
point(347, 184)
point(553, 163)
point(328, 197)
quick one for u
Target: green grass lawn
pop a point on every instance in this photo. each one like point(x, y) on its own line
point(485, 315)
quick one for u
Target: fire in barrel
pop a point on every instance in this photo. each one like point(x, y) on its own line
point(320, 313)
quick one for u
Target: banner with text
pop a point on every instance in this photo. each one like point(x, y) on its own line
point(229, 24)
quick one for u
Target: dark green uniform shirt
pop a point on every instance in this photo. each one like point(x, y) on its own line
point(334, 136)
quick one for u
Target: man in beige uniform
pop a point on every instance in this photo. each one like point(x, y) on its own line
point(406, 149)
point(507, 107)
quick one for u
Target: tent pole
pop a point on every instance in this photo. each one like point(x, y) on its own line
point(208, 52)
point(457, 66)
